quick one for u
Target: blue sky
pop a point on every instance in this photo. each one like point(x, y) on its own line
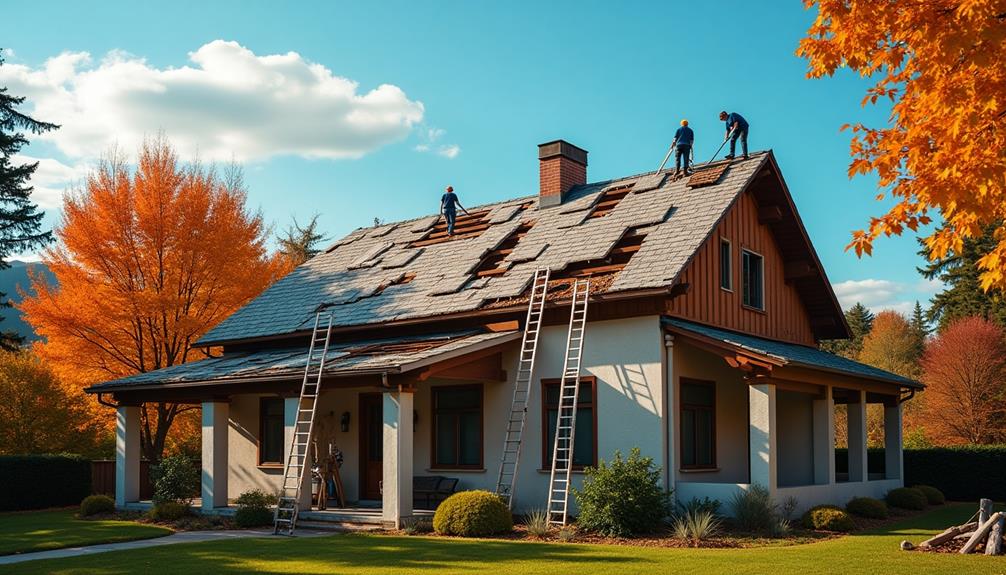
point(365, 109)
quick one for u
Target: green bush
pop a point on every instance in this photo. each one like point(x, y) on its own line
point(623, 498)
point(175, 479)
point(827, 518)
point(983, 465)
point(41, 481)
point(246, 517)
point(256, 498)
point(95, 504)
point(696, 505)
point(906, 498)
point(472, 514)
point(536, 523)
point(754, 509)
point(169, 511)
point(867, 507)
point(933, 495)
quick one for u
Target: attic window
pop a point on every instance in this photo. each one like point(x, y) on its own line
point(608, 200)
point(491, 263)
point(467, 226)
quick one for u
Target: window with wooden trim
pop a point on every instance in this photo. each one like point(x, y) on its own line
point(457, 427)
point(698, 424)
point(753, 280)
point(585, 441)
point(271, 431)
point(726, 265)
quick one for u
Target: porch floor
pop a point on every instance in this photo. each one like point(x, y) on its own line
point(352, 514)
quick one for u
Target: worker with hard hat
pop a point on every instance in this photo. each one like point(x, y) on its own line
point(683, 140)
point(448, 208)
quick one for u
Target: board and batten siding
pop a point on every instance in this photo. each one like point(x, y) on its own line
point(784, 317)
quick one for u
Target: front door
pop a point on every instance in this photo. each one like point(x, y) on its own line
point(371, 445)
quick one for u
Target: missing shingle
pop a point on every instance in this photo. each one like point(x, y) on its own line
point(708, 176)
point(494, 262)
point(370, 258)
point(649, 182)
point(608, 200)
point(467, 226)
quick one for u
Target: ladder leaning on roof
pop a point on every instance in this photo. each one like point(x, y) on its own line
point(506, 481)
point(565, 421)
point(285, 517)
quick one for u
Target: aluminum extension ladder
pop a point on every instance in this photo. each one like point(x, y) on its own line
point(285, 517)
point(506, 481)
point(569, 391)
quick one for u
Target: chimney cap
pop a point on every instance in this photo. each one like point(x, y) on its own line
point(564, 149)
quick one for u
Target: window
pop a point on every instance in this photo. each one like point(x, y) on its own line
point(585, 441)
point(457, 427)
point(726, 269)
point(753, 280)
point(271, 431)
point(698, 424)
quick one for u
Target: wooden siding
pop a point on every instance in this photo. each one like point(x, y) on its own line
point(784, 317)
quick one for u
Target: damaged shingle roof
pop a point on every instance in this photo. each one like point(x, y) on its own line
point(348, 277)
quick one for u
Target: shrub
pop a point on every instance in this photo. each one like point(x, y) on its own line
point(704, 504)
point(567, 534)
point(246, 517)
point(417, 525)
point(472, 514)
point(41, 481)
point(867, 507)
point(906, 498)
point(256, 498)
point(754, 510)
point(781, 527)
point(696, 525)
point(933, 495)
point(175, 479)
point(983, 465)
point(95, 504)
point(622, 498)
point(169, 511)
point(827, 518)
point(536, 523)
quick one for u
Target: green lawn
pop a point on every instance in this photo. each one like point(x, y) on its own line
point(875, 552)
point(44, 530)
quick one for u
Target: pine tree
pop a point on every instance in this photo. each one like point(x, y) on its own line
point(860, 321)
point(299, 243)
point(20, 220)
point(920, 327)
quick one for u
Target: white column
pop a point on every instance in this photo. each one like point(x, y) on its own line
point(824, 439)
point(762, 434)
point(290, 407)
point(127, 454)
point(857, 437)
point(216, 422)
point(893, 455)
point(396, 489)
point(670, 416)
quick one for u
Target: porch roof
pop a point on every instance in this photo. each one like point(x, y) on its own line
point(392, 356)
point(783, 353)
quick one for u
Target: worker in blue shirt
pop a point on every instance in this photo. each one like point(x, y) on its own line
point(737, 127)
point(682, 144)
point(448, 208)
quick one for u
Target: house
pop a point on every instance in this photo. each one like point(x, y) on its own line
point(707, 303)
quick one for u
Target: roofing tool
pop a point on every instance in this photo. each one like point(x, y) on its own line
point(667, 157)
point(730, 133)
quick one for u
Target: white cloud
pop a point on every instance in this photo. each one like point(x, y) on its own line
point(450, 151)
point(878, 294)
point(229, 104)
point(428, 143)
point(51, 179)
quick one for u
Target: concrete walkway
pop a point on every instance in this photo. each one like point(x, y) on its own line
point(184, 537)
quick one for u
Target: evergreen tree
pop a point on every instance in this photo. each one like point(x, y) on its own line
point(964, 296)
point(300, 243)
point(860, 322)
point(20, 220)
point(920, 327)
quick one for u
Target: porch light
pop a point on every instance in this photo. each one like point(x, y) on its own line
point(344, 421)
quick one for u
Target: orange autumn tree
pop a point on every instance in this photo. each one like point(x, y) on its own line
point(147, 260)
point(942, 65)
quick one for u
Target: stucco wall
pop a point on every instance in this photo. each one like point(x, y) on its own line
point(795, 438)
point(244, 471)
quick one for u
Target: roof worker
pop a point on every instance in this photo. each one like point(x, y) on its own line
point(737, 127)
point(682, 145)
point(448, 208)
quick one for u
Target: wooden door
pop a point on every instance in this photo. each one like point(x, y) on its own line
point(371, 445)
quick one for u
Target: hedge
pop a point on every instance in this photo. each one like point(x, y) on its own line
point(966, 473)
point(41, 481)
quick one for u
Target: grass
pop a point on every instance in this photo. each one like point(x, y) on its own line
point(44, 530)
point(868, 552)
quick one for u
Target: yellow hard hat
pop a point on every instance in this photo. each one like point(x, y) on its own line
point(684, 122)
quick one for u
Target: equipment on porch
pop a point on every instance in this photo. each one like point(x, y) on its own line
point(569, 392)
point(506, 481)
point(329, 478)
point(285, 516)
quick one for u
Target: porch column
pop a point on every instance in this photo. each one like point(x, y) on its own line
point(670, 416)
point(858, 470)
point(762, 434)
point(216, 421)
point(396, 489)
point(290, 407)
point(824, 439)
point(893, 455)
point(127, 454)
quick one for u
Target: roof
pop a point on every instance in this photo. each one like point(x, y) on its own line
point(791, 353)
point(400, 271)
point(396, 355)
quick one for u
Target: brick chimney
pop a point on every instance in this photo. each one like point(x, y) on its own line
point(561, 166)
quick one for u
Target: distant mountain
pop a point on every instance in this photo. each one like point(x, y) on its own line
point(10, 280)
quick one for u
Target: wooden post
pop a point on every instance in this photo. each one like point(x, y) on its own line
point(994, 546)
point(984, 511)
point(948, 535)
point(979, 536)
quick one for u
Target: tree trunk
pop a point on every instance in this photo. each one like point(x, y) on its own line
point(154, 438)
